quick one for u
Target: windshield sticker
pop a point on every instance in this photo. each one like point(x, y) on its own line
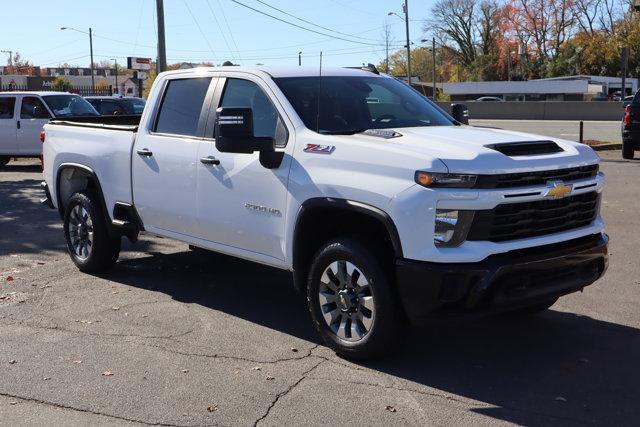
point(382, 133)
point(320, 149)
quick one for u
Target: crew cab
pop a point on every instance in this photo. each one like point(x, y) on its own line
point(382, 211)
point(23, 114)
point(631, 127)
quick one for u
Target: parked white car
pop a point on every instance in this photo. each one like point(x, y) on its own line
point(23, 114)
point(380, 210)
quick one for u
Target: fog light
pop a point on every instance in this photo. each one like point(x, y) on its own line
point(451, 226)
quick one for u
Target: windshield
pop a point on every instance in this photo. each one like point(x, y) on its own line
point(69, 105)
point(134, 106)
point(356, 103)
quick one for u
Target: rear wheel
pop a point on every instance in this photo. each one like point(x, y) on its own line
point(627, 150)
point(4, 160)
point(351, 300)
point(91, 248)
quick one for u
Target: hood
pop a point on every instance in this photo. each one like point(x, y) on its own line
point(464, 149)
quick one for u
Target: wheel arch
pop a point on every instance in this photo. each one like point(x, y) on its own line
point(314, 226)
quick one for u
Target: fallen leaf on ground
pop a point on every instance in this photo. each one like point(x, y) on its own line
point(269, 378)
point(46, 378)
point(107, 374)
point(184, 371)
point(77, 361)
point(390, 408)
point(212, 408)
point(13, 402)
point(295, 350)
point(115, 308)
point(257, 368)
point(9, 278)
point(560, 399)
point(11, 362)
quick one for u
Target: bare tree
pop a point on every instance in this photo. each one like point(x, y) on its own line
point(454, 21)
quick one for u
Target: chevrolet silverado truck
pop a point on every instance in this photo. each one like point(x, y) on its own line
point(383, 211)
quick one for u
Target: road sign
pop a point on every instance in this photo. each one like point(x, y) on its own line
point(135, 63)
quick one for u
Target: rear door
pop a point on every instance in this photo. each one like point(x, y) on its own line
point(165, 156)
point(8, 126)
point(33, 116)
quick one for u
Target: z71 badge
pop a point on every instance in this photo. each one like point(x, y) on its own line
point(320, 149)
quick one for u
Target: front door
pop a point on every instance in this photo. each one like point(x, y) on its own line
point(165, 156)
point(241, 204)
point(33, 116)
point(8, 126)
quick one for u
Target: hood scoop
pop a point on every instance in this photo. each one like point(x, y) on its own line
point(382, 133)
point(526, 148)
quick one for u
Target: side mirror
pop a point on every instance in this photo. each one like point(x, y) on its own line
point(460, 112)
point(234, 132)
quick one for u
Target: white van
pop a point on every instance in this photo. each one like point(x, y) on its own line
point(22, 115)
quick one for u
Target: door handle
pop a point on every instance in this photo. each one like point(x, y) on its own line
point(209, 160)
point(18, 124)
point(145, 152)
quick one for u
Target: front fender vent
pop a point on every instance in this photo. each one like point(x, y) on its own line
point(526, 148)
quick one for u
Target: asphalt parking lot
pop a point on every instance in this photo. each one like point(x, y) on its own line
point(176, 337)
point(606, 131)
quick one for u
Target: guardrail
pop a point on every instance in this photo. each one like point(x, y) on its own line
point(542, 110)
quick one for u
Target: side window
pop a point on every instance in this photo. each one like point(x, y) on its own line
point(33, 108)
point(266, 120)
point(181, 106)
point(7, 106)
point(111, 108)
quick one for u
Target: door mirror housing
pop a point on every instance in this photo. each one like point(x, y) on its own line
point(234, 132)
point(460, 112)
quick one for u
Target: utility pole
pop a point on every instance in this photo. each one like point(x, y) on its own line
point(433, 53)
point(300, 59)
point(162, 49)
point(116, 61)
point(508, 62)
point(93, 83)
point(405, 6)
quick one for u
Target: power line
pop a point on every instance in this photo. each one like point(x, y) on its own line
point(301, 27)
point(311, 23)
point(200, 29)
point(226, 22)
point(220, 28)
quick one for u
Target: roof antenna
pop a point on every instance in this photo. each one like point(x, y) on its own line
point(319, 95)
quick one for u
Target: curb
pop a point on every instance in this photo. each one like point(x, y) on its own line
point(607, 147)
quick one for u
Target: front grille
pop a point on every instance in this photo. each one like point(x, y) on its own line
point(509, 180)
point(513, 221)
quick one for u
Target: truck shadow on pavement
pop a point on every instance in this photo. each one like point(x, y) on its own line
point(554, 368)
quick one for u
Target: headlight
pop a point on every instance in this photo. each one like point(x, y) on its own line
point(451, 180)
point(451, 227)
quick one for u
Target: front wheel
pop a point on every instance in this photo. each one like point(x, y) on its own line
point(90, 246)
point(627, 150)
point(351, 300)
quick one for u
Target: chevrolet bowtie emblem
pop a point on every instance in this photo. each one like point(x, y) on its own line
point(558, 189)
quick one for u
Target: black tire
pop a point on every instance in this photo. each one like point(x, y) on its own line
point(627, 150)
point(385, 321)
point(4, 160)
point(103, 251)
point(533, 309)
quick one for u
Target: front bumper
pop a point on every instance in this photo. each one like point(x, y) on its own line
point(500, 282)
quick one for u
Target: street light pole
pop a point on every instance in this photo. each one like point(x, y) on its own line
point(406, 24)
point(93, 83)
point(116, 61)
point(299, 58)
point(433, 53)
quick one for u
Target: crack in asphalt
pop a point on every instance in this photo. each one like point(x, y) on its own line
point(448, 397)
point(236, 358)
point(287, 391)
point(87, 411)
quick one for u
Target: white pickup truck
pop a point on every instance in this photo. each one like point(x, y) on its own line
point(382, 206)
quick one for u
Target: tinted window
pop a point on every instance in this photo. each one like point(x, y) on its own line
point(69, 105)
point(266, 120)
point(110, 108)
point(352, 104)
point(181, 106)
point(33, 108)
point(6, 107)
point(134, 106)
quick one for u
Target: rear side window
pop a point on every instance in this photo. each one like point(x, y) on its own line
point(111, 108)
point(33, 108)
point(7, 106)
point(181, 106)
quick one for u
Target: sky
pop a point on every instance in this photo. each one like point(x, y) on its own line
point(208, 30)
